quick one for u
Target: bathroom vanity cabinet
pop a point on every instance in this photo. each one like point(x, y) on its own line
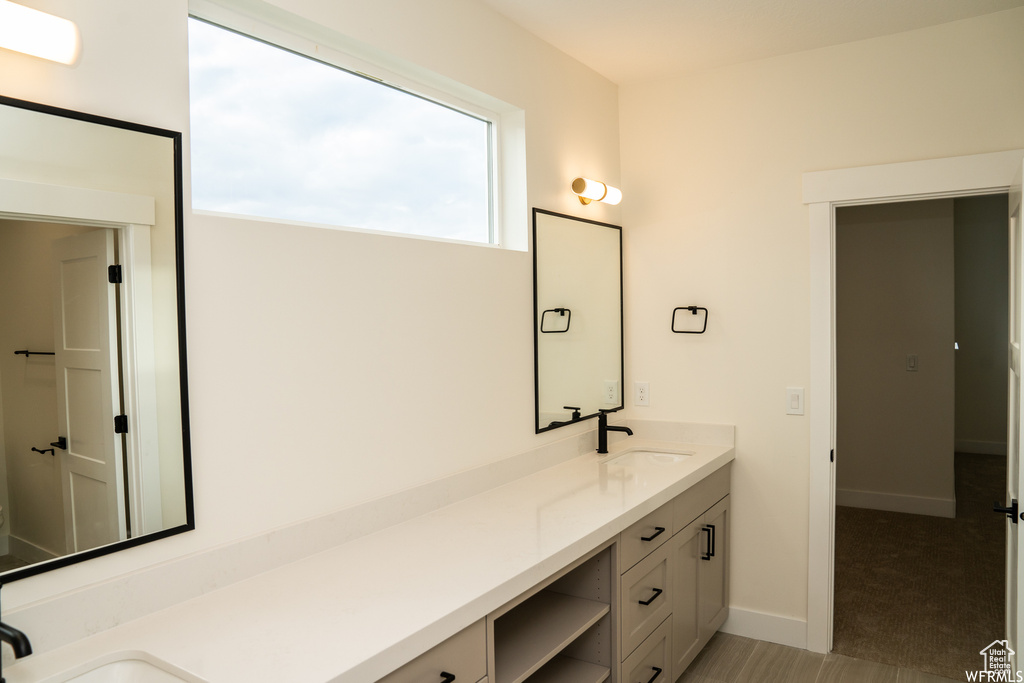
point(637, 609)
point(674, 581)
point(539, 578)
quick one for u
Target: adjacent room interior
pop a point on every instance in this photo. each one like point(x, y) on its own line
point(921, 333)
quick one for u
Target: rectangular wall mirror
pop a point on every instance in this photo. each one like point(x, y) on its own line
point(94, 445)
point(577, 299)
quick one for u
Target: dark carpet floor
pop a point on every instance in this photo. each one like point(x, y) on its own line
point(920, 592)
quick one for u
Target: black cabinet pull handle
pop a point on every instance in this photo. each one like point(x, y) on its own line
point(711, 550)
point(657, 592)
point(657, 672)
point(658, 530)
point(706, 555)
point(447, 677)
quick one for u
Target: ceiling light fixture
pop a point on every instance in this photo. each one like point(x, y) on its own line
point(36, 33)
point(588, 190)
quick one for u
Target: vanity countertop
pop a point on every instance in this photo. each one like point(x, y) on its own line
point(360, 610)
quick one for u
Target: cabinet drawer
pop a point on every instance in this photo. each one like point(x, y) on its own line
point(692, 503)
point(464, 656)
point(646, 597)
point(651, 663)
point(645, 536)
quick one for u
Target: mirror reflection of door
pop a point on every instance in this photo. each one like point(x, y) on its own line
point(88, 385)
point(55, 298)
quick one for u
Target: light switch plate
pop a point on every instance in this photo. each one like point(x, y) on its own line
point(912, 362)
point(794, 401)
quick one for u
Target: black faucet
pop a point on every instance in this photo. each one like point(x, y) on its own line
point(603, 428)
point(17, 640)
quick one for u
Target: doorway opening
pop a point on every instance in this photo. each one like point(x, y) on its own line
point(823, 193)
point(921, 374)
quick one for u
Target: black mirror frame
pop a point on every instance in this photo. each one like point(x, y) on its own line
point(186, 450)
point(536, 322)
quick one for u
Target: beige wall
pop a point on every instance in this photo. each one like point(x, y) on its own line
point(330, 367)
point(711, 168)
point(28, 386)
point(894, 298)
point(981, 323)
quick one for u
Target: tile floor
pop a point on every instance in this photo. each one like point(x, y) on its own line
point(733, 659)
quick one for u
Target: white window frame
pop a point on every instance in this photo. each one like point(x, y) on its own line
point(507, 153)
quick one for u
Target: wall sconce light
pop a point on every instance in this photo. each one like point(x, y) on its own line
point(588, 190)
point(36, 33)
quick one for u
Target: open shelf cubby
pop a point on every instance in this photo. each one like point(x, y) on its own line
point(560, 631)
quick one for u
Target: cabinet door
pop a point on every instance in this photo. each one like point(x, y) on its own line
point(685, 552)
point(714, 572)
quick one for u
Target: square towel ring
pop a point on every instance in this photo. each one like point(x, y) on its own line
point(693, 310)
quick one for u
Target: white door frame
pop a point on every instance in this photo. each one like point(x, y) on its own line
point(823, 191)
point(132, 216)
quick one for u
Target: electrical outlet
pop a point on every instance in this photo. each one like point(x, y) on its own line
point(642, 393)
point(611, 392)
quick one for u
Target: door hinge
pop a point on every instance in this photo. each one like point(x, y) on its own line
point(120, 424)
point(115, 275)
point(832, 455)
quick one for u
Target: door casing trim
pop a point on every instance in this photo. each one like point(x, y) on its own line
point(823, 192)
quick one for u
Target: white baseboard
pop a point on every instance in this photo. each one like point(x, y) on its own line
point(892, 502)
point(770, 627)
point(980, 447)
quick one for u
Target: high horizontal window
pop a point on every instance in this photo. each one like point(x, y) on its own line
point(278, 135)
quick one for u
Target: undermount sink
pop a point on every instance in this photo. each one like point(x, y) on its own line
point(127, 667)
point(657, 457)
point(663, 456)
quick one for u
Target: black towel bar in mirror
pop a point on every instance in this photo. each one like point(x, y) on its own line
point(693, 310)
point(27, 353)
point(562, 313)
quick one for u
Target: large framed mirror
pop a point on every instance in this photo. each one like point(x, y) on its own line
point(94, 430)
point(577, 285)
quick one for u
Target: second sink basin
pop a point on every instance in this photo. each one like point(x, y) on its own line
point(127, 667)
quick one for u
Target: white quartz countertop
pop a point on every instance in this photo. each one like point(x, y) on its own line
point(362, 609)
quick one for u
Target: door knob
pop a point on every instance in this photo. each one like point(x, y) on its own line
point(1010, 512)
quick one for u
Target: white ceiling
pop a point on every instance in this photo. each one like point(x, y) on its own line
point(630, 41)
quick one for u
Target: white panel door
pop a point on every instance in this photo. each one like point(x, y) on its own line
point(1013, 470)
point(85, 332)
